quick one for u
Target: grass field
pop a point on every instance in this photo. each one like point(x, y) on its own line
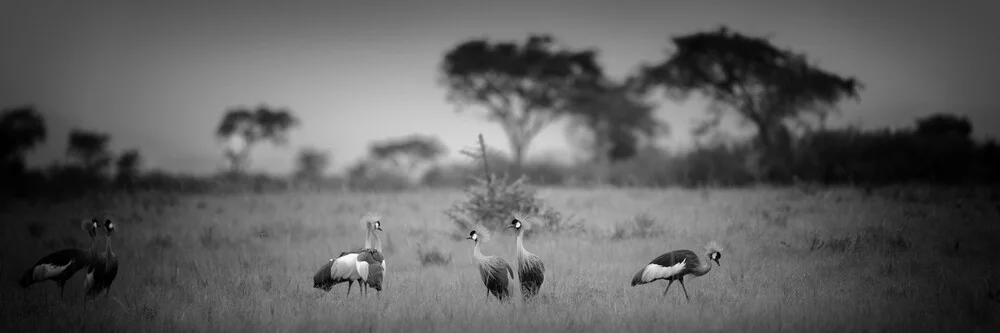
point(834, 261)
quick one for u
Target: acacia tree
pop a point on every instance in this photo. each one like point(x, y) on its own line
point(523, 86)
point(127, 167)
point(311, 163)
point(243, 127)
point(90, 150)
point(22, 128)
point(408, 154)
point(616, 120)
point(767, 87)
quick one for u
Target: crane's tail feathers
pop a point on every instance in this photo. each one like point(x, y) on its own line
point(637, 279)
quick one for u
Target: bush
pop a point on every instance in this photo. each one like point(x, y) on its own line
point(432, 257)
point(491, 201)
point(640, 226)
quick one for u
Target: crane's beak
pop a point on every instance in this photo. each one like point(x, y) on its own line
point(510, 226)
point(717, 262)
point(470, 237)
point(379, 228)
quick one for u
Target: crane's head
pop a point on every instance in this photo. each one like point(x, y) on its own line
point(714, 252)
point(715, 256)
point(518, 221)
point(91, 227)
point(372, 220)
point(473, 236)
point(109, 226)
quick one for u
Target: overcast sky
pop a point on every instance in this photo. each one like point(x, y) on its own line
point(158, 77)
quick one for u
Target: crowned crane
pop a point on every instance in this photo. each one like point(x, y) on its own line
point(344, 268)
point(60, 266)
point(530, 269)
point(495, 271)
point(104, 268)
point(675, 265)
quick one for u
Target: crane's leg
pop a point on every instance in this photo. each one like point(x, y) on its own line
point(670, 282)
point(685, 290)
point(62, 287)
point(350, 283)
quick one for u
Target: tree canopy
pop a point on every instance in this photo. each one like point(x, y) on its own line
point(250, 126)
point(523, 86)
point(89, 149)
point(311, 163)
point(765, 85)
point(21, 129)
point(616, 118)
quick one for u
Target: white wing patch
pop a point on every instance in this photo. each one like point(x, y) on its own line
point(363, 270)
point(345, 267)
point(46, 271)
point(383, 268)
point(654, 271)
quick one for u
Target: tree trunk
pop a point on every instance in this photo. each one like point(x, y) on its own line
point(517, 148)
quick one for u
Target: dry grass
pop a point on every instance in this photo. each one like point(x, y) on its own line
point(830, 262)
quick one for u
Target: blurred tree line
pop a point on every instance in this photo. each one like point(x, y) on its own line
point(524, 86)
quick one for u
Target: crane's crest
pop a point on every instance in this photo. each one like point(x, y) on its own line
point(524, 217)
point(713, 246)
point(370, 217)
point(86, 224)
point(484, 234)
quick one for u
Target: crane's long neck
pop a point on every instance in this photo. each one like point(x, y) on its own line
point(520, 243)
point(107, 244)
point(378, 241)
point(476, 254)
point(706, 265)
point(368, 236)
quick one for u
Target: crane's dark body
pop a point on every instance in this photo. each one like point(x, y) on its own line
point(345, 267)
point(66, 261)
point(496, 275)
point(669, 259)
point(675, 265)
point(323, 280)
point(531, 272)
point(530, 269)
point(104, 268)
point(102, 272)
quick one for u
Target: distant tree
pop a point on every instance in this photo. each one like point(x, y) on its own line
point(21, 129)
point(766, 86)
point(311, 163)
point(90, 150)
point(616, 120)
point(944, 125)
point(524, 87)
point(411, 155)
point(243, 127)
point(127, 167)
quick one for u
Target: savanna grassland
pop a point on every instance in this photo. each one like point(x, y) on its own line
point(832, 261)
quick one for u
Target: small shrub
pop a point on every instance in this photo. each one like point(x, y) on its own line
point(871, 238)
point(492, 200)
point(640, 226)
point(432, 257)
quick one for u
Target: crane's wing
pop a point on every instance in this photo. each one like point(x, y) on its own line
point(343, 267)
